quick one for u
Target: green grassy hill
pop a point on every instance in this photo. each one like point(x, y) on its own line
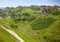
point(43, 29)
point(31, 25)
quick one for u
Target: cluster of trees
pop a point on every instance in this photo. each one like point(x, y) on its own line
point(18, 14)
point(55, 10)
point(28, 13)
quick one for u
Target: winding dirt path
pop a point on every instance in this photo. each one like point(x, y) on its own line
point(13, 33)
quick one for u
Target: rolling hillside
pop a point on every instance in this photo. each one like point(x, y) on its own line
point(31, 24)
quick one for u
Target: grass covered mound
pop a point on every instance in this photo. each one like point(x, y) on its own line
point(52, 33)
point(42, 22)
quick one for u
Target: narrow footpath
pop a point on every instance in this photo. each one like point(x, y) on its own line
point(13, 33)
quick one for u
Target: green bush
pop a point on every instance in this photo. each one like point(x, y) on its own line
point(41, 23)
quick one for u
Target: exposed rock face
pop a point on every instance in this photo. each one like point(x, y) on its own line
point(45, 9)
point(1, 13)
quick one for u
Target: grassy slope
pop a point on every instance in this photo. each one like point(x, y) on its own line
point(29, 35)
point(6, 37)
point(43, 35)
point(52, 33)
